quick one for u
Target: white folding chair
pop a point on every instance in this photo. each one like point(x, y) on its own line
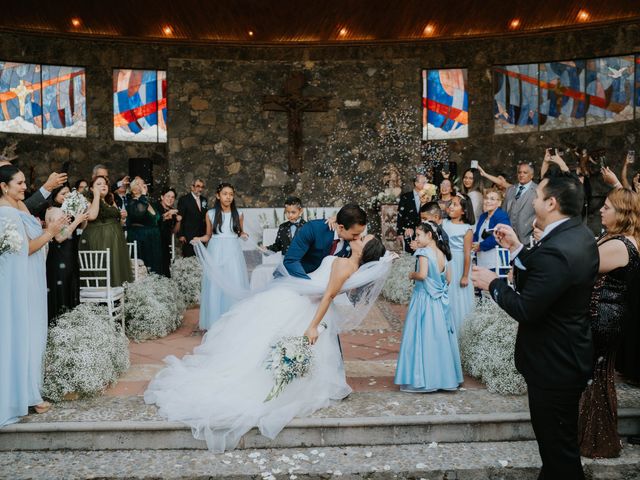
point(173, 247)
point(95, 282)
point(133, 255)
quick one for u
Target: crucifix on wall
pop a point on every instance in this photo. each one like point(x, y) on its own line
point(294, 103)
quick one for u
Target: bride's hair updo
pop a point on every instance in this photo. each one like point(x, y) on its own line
point(372, 251)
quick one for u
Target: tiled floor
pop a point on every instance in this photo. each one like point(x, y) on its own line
point(370, 352)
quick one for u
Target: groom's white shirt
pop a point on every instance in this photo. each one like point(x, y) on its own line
point(340, 242)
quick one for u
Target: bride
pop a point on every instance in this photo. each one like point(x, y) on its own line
point(220, 390)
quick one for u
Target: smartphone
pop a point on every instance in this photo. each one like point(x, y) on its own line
point(487, 233)
point(474, 165)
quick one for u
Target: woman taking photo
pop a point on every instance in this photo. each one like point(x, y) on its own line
point(169, 226)
point(104, 230)
point(142, 226)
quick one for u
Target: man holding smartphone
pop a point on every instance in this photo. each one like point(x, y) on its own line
point(553, 284)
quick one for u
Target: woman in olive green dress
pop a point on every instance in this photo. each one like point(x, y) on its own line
point(143, 227)
point(104, 230)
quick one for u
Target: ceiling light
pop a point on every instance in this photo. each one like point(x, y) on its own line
point(583, 15)
point(251, 33)
point(515, 23)
point(76, 22)
point(343, 32)
point(429, 29)
point(167, 30)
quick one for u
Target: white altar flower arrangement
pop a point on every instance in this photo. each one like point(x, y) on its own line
point(86, 352)
point(289, 358)
point(153, 308)
point(487, 343)
point(74, 204)
point(398, 288)
point(186, 274)
point(10, 238)
point(388, 195)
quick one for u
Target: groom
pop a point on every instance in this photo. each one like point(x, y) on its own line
point(315, 240)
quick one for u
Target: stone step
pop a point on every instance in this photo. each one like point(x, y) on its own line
point(304, 432)
point(477, 461)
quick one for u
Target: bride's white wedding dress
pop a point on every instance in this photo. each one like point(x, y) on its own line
point(220, 390)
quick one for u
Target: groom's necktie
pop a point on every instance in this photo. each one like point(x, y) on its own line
point(344, 251)
point(334, 246)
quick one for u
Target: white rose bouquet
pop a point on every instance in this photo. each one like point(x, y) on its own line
point(75, 204)
point(10, 238)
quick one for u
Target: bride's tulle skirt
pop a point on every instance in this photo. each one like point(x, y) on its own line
point(219, 390)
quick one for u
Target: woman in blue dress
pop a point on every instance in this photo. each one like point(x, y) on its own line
point(224, 230)
point(429, 358)
point(459, 229)
point(23, 296)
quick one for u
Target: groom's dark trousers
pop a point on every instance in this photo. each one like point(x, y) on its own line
point(554, 280)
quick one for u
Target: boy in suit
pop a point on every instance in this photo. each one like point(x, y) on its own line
point(287, 230)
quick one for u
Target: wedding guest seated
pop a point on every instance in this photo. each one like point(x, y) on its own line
point(611, 304)
point(287, 230)
point(142, 226)
point(82, 186)
point(485, 245)
point(104, 230)
point(169, 226)
point(63, 269)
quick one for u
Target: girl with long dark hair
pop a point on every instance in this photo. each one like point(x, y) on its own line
point(224, 230)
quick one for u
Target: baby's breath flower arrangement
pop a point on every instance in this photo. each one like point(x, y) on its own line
point(10, 238)
point(398, 288)
point(487, 342)
point(186, 273)
point(86, 352)
point(153, 307)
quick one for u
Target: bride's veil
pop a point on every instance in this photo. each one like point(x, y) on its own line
point(356, 298)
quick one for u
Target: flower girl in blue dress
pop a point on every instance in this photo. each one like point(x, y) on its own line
point(429, 358)
point(224, 253)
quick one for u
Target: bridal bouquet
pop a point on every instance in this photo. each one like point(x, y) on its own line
point(74, 204)
point(10, 238)
point(290, 358)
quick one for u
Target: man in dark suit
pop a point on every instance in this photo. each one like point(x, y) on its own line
point(120, 193)
point(193, 210)
point(409, 211)
point(315, 240)
point(553, 349)
point(287, 230)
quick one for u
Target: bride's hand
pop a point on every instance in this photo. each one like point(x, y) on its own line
point(312, 334)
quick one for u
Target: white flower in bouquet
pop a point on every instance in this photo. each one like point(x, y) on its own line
point(10, 238)
point(74, 204)
point(290, 358)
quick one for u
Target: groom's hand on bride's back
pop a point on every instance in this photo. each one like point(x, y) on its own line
point(332, 223)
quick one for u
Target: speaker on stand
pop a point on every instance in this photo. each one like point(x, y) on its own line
point(143, 168)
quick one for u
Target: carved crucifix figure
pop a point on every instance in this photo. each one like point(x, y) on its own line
point(295, 104)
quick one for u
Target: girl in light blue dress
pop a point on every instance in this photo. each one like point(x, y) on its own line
point(23, 302)
point(459, 228)
point(429, 358)
point(224, 230)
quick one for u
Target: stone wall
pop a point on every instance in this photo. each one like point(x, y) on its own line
point(218, 130)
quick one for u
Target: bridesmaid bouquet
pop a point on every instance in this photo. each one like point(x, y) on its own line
point(74, 204)
point(290, 358)
point(10, 238)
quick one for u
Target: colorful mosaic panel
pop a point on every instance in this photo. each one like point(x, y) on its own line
point(20, 98)
point(64, 104)
point(637, 86)
point(562, 99)
point(609, 89)
point(162, 106)
point(515, 99)
point(445, 104)
point(136, 105)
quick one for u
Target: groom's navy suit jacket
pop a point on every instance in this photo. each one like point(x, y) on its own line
point(312, 242)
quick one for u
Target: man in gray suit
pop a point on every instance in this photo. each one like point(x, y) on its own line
point(518, 203)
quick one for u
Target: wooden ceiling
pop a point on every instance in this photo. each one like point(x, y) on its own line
point(315, 21)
